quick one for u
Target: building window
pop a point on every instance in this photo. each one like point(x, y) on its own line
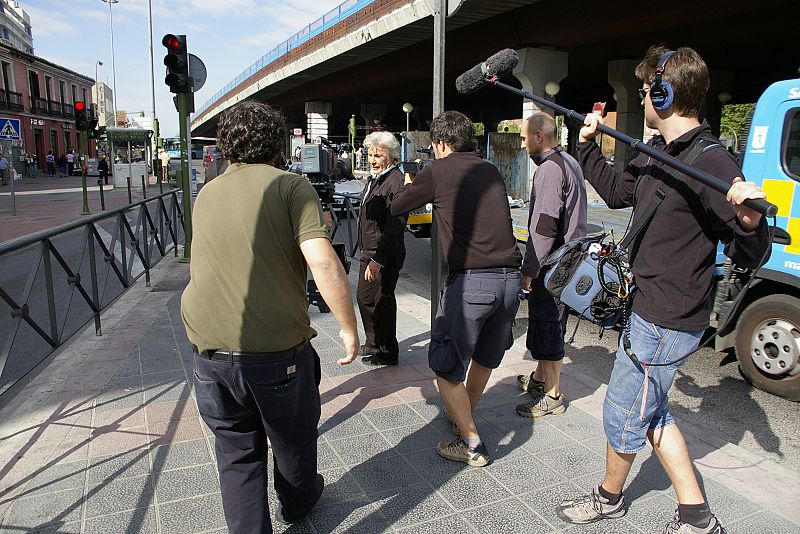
point(7, 82)
point(85, 99)
point(5, 33)
point(28, 30)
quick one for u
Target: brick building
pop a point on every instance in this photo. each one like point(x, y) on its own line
point(41, 95)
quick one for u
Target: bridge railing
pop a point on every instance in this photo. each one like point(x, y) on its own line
point(54, 282)
point(330, 19)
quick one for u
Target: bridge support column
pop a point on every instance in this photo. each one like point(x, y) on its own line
point(373, 113)
point(536, 67)
point(630, 113)
point(317, 114)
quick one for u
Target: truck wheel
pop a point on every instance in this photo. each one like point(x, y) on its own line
point(768, 345)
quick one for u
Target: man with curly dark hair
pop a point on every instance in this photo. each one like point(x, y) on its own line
point(256, 374)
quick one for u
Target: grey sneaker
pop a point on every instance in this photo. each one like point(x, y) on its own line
point(677, 527)
point(528, 384)
point(541, 406)
point(590, 508)
point(458, 451)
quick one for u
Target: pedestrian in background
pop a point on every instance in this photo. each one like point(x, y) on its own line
point(556, 215)
point(245, 309)
point(672, 259)
point(478, 301)
point(383, 251)
point(50, 162)
point(164, 157)
point(102, 169)
point(3, 170)
point(62, 165)
point(70, 157)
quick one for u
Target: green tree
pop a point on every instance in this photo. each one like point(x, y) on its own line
point(734, 117)
point(479, 128)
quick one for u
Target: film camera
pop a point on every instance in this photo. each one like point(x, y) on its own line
point(323, 168)
point(413, 167)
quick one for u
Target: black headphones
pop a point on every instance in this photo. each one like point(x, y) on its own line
point(661, 92)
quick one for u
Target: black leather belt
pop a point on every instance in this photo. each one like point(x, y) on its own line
point(236, 356)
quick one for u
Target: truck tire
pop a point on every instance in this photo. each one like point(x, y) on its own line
point(768, 345)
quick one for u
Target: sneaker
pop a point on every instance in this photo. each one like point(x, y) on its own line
point(590, 508)
point(677, 527)
point(541, 406)
point(458, 451)
point(528, 384)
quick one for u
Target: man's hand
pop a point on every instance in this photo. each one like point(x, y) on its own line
point(525, 282)
point(589, 129)
point(351, 346)
point(409, 177)
point(371, 272)
point(328, 218)
point(737, 194)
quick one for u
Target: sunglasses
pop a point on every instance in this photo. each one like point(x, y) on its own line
point(643, 93)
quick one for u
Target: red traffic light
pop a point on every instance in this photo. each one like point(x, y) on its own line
point(80, 106)
point(84, 168)
point(175, 43)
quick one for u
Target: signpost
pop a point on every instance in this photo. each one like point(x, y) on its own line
point(10, 129)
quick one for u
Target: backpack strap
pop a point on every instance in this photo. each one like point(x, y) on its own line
point(560, 161)
point(698, 147)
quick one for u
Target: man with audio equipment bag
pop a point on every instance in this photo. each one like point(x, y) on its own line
point(678, 224)
point(557, 215)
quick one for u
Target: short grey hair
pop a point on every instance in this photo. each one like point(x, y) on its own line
point(386, 140)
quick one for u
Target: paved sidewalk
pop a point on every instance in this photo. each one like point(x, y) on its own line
point(107, 438)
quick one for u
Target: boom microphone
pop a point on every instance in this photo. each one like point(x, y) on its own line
point(498, 65)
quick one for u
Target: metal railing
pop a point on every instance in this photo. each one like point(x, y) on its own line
point(67, 109)
point(54, 282)
point(39, 105)
point(330, 19)
point(55, 107)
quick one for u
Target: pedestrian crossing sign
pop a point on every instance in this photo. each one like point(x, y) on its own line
point(9, 128)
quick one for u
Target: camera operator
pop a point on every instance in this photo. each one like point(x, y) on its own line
point(478, 301)
point(245, 309)
point(383, 251)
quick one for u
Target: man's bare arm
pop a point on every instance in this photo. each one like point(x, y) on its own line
point(334, 287)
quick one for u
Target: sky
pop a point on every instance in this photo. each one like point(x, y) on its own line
point(228, 35)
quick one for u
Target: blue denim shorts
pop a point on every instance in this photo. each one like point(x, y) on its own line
point(625, 426)
point(474, 320)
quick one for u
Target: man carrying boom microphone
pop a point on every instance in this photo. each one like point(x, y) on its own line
point(478, 301)
point(673, 262)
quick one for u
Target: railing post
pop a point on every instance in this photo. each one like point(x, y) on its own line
point(98, 329)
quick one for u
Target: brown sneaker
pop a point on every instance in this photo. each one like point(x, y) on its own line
point(458, 451)
point(541, 406)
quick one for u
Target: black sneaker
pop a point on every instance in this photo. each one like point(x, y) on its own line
point(379, 359)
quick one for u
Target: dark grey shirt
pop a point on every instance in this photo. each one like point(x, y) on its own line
point(557, 208)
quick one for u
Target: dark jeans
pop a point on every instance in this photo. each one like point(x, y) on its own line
point(378, 306)
point(243, 404)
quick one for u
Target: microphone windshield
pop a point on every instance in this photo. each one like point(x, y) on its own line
point(498, 65)
point(501, 63)
point(470, 81)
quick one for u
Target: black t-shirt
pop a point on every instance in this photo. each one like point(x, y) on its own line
point(470, 206)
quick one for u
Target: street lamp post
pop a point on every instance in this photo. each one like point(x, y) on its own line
point(113, 63)
point(96, 64)
point(408, 107)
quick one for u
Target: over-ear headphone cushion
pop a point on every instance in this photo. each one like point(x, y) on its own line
point(662, 95)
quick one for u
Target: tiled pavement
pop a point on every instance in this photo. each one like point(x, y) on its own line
point(107, 438)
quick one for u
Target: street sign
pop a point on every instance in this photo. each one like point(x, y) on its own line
point(198, 72)
point(297, 131)
point(9, 128)
point(599, 108)
point(128, 135)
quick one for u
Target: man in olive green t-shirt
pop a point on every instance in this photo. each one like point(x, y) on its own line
point(246, 311)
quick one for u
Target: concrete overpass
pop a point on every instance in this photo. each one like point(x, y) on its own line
point(378, 54)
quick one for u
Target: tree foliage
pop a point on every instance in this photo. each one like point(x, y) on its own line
point(734, 116)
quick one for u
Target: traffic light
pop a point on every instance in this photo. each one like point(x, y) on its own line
point(93, 131)
point(80, 116)
point(177, 62)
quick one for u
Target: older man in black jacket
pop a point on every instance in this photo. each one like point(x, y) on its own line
point(380, 237)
